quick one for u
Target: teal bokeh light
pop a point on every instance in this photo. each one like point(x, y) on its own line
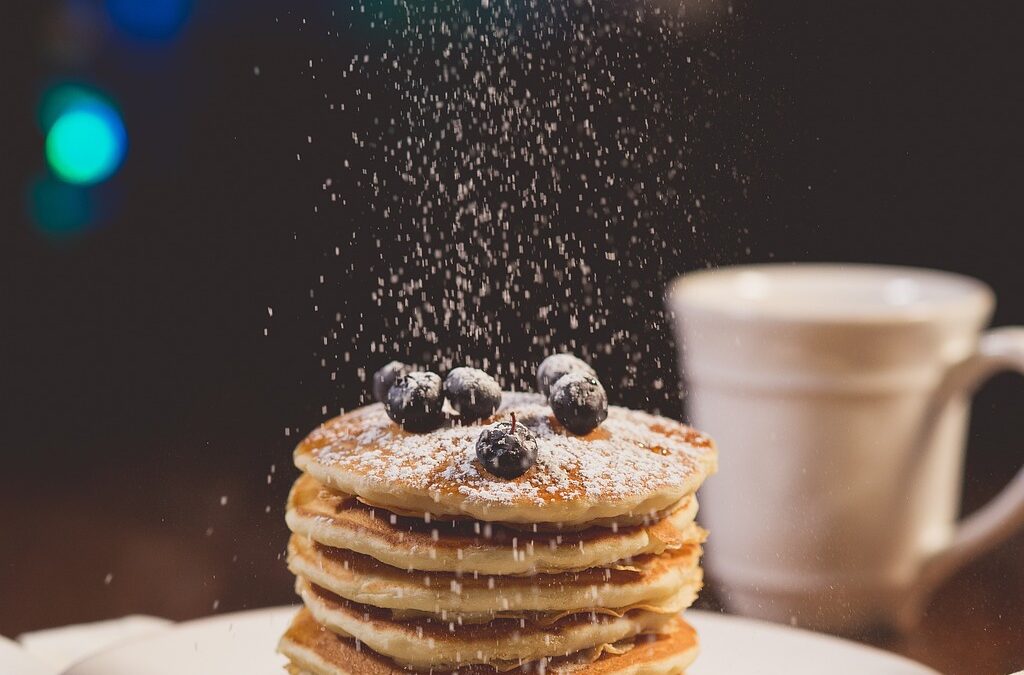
point(60, 210)
point(62, 97)
point(86, 143)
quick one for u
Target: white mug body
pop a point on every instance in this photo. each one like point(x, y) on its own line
point(815, 381)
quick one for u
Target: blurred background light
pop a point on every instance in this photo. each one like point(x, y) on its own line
point(59, 210)
point(86, 143)
point(149, 19)
point(61, 98)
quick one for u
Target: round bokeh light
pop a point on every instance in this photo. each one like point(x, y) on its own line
point(62, 97)
point(61, 211)
point(86, 143)
point(149, 19)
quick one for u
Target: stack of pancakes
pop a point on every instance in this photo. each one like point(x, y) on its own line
point(409, 555)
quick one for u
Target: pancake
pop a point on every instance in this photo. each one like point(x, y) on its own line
point(341, 521)
point(429, 643)
point(633, 465)
point(671, 604)
point(613, 523)
point(314, 650)
point(471, 598)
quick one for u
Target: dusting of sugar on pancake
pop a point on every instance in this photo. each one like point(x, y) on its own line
point(473, 378)
point(630, 455)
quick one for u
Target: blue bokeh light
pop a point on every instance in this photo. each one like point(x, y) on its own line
point(149, 19)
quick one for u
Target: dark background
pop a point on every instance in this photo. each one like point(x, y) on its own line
point(151, 400)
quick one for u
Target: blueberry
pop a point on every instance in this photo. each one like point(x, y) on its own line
point(415, 401)
point(579, 402)
point(473, 393)
point(555, 366)
point(386, 376)
point(507, 449)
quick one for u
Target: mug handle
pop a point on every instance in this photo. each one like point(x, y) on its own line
point(1001, 349)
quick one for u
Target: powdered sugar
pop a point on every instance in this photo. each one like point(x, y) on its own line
point(557, 365)
point(473, 378)
point(632, 454)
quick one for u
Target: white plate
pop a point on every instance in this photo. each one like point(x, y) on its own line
point(245, 642)
point(13, 659)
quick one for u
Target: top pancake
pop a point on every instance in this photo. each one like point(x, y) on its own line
point(633, 464)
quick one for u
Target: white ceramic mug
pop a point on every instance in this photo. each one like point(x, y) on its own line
point(838, 395)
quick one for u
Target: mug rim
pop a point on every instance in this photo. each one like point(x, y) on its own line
point(966, 298)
